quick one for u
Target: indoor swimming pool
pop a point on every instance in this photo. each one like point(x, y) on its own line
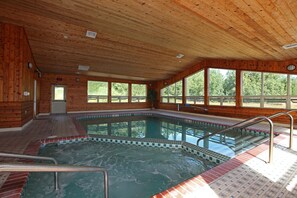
point(171, 128)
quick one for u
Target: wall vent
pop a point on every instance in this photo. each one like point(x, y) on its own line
point(91, 34)
point(289, 46)
point(83, 68)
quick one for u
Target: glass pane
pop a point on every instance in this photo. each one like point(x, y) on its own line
point(222, 82)
point(164, 99)
point(59, 93)
point(275, 84)
point(119, 89)
point(293, 103)
point(251, 102)
point(179, 88)
point(275, 103)
point(97, 88)
point(215, 101)
point(164, 91)
point(171, 99)
point(195, 84)
point(138, 90)
point(179, 100)
point(171, 90)
point(293, 79)
point(199, 100)
point(251, 83)
point(138, 99)
point(226, 101)
point(119, 99)
point(190, 100)
point(229, 101)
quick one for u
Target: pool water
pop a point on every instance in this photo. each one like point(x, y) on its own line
point(230, 144)
point(134, 171)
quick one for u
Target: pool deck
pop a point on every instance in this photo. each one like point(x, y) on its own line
point(247, 175)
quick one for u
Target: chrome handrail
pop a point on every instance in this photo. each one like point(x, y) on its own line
point(15, 167)
point(22, 156)
point(291, 127)
point(246, 123)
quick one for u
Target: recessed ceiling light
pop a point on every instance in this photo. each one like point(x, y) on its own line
point(91, 34)
point(83, 68)
point(293, 45)
point(180, 56)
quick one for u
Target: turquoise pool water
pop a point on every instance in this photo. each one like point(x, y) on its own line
point(158, 127)
point(134, 171)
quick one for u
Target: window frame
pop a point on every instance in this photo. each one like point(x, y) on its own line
point(138, 97)
point(221, 99)
point(98, 97)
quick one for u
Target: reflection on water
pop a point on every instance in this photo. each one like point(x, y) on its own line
point(228, 144)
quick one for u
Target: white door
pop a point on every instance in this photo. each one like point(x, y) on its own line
point(58, 99)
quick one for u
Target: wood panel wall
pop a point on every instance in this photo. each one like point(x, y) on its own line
point(76, 94)
point(15, 77)
point(237, 111)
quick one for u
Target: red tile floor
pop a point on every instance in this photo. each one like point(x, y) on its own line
point(247, 175)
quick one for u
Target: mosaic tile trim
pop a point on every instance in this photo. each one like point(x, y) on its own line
point(198, 151)
point(250, 131)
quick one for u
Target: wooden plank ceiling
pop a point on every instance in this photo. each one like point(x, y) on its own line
point(139, 39)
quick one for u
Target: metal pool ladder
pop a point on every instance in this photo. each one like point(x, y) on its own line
point(18, 167)
point(256, 120)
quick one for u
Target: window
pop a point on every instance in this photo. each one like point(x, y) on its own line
point(251, 89)
point(97, 92)
point(270, 90)
point(59, 93)
point(222, 87)
point(138, 93)
point(172, 93)
point(293, 92)
point(119, 92)
point(275, 90)
point(195, 88)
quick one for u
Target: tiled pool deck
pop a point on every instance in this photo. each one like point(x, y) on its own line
point(247, 175)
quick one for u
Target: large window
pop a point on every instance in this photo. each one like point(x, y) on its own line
point(222, 87)
point(195, 88)
point(270, 90)
point(138, 93)
point(172, 93)
point(97, 92)
point(119, 92)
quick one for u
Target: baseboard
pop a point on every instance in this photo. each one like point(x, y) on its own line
point(16, 128)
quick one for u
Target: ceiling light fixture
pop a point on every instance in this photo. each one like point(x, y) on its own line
point(91, 34)
point(83, 68)
point(291, 67)
point(180, 56)
point(289, 46)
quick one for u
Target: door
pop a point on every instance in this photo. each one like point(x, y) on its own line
point(58, 99)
